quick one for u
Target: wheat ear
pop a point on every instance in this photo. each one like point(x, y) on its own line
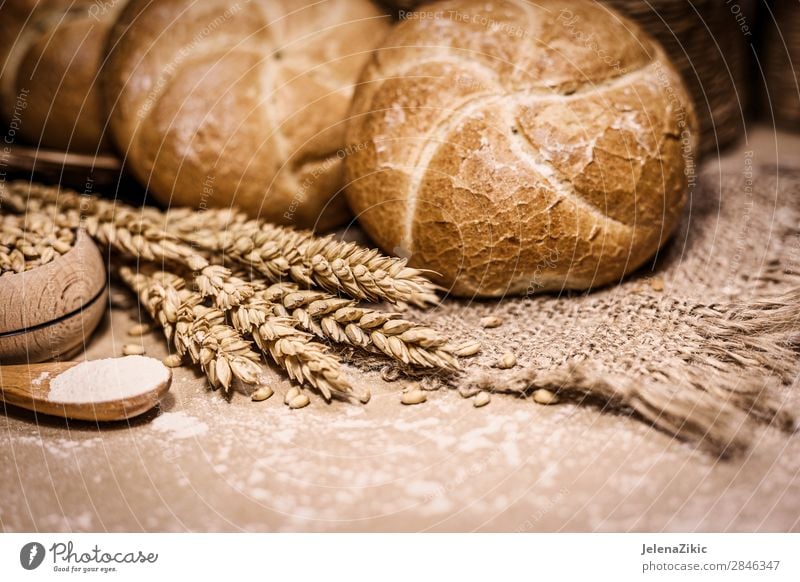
point(193, 328)
point(343, 321)
point(134, 233)
point(274, 251)
point(305, 360)
point(277, 252)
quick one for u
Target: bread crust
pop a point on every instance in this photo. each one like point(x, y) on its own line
point(513, 147)
point(220, 104)
point(52, 53)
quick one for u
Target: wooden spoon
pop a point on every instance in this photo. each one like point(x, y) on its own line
point(28, 386)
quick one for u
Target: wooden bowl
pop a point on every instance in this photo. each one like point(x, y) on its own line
point(49, 312)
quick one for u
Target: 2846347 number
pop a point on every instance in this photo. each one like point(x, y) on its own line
point(755, 565)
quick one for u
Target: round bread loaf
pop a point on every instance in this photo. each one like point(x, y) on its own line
point(220, 104)
point(514, 147)
point(49, 61)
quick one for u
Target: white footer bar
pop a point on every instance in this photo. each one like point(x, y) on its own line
point(401, 557)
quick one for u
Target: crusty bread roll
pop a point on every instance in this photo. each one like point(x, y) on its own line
point(214, 104)
point(514, 147)
point(49, 60)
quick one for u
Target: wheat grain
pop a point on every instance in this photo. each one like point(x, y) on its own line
point(132, 350)
point(299, 401)
point(291, 394)
point(415, 396)
point(545, 396)
point(139, 329)
point(172, 361)
point(30, 241)
point(506, 361)
point(481, 399)
point(467, 349)
point(261, 394)
point(467, 391)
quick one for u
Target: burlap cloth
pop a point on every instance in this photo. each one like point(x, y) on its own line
point(705, 357)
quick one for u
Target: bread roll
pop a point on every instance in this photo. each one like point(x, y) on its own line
point(215, 104)
point(515, 147)
point(49, 60)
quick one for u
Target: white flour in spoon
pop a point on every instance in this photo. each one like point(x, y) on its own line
point(108, 379)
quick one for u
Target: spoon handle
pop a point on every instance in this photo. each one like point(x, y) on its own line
point(31, 381)
point(28, 386)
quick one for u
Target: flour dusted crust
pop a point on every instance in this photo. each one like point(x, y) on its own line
point(514, 147)
point(217, 103)
point(50, 54)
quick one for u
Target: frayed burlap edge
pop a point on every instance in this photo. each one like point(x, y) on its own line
point(715, 392)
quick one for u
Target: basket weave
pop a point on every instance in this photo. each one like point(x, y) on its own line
point(781, 61)
point(709, 48)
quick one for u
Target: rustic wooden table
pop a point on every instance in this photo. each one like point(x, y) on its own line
point(204, 463)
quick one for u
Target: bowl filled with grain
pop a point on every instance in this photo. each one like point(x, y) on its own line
point(52, 291)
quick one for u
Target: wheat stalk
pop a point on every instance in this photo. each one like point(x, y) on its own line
point(305, 360)
point(343, 321)
point(133, 232)
point(366, 273)
point(273, 251)
point(277, 252)
point(220, 349)
point(193, 328)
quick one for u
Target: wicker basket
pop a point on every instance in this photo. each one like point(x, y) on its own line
point(707, 40)
point(780, 58)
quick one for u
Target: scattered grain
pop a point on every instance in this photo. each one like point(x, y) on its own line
point(506, 361)
point(172, 361)
point(139, 329)
point(291, 394)
point(132, 350)
point(415, 396)
point(467, 349)
point(299, 401)
point(491, 321)
point(657, 284)
point(482, 399)
point(468, 391)
point(262, 394)
point(544, 396)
